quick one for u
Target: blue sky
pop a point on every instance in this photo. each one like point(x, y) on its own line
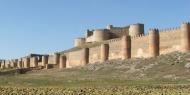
point(46, 26)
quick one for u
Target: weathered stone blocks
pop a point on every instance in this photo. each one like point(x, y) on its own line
point(44, 60)
point(26, 62)
point(136, 29)
point(62, 63)
point(20, 63)
point(56, 58)
point(34, 61)
point(85, 56)
point(185, 37)
point(79, 42)
point(104, 52)
point(3, 64)
point(154, 43)
point(126, 47)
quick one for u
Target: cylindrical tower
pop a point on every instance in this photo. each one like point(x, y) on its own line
point(0, 63)
point(79, 42)
point(3, 64)
point(34, 61)
point(20, 63)
point(104, 52)
point(185, 37)
point(63, 60)
point(15, 63)
point(136, 29)
point(44, 60)
point(26, 62)
point(154, 43)
point(100, 35)
point(10, 63)
point(56, 58)
point(85, 56)
point(126, 47)
point(7, 64)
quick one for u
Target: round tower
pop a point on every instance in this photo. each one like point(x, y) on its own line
point(136, 29)
point(79, 42)
point(154, 43)
point(15, 63)
point(34, 61)
point(126, 47)
point(0, 63)
point(63, 61)
point(3, 64)
point(100, 35)
point(44, 60)
point(185, 37)
point(26, 62)
point(85, 56)
point(56, 58)
point(19, 63)
point(104, 52)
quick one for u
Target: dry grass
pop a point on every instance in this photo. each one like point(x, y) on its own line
point(167, 69)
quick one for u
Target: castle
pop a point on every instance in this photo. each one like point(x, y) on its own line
point(110, 43)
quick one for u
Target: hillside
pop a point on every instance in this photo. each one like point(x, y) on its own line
point(173, 67)
point(169, 69)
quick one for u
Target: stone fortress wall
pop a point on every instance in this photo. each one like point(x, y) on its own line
point(141, 44)
point(111, 43)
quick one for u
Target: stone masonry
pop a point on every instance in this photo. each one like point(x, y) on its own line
point(100, 45)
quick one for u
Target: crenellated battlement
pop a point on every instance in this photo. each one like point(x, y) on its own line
point(170, 29)
point(140, 36)
point(153, 29)
point(114, 40)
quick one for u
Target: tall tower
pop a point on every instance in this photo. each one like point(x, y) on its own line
point(26, 62)
point(154, 43)
point(136, 29)
point(56, 58)
point(185, 37)
point(104, 52)
point(126, 47)
point(85, 56)
point(63, 60)
point(79, 42)
point(101, 35)
point(44, 60)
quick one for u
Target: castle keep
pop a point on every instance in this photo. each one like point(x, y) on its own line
point(112, 42)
